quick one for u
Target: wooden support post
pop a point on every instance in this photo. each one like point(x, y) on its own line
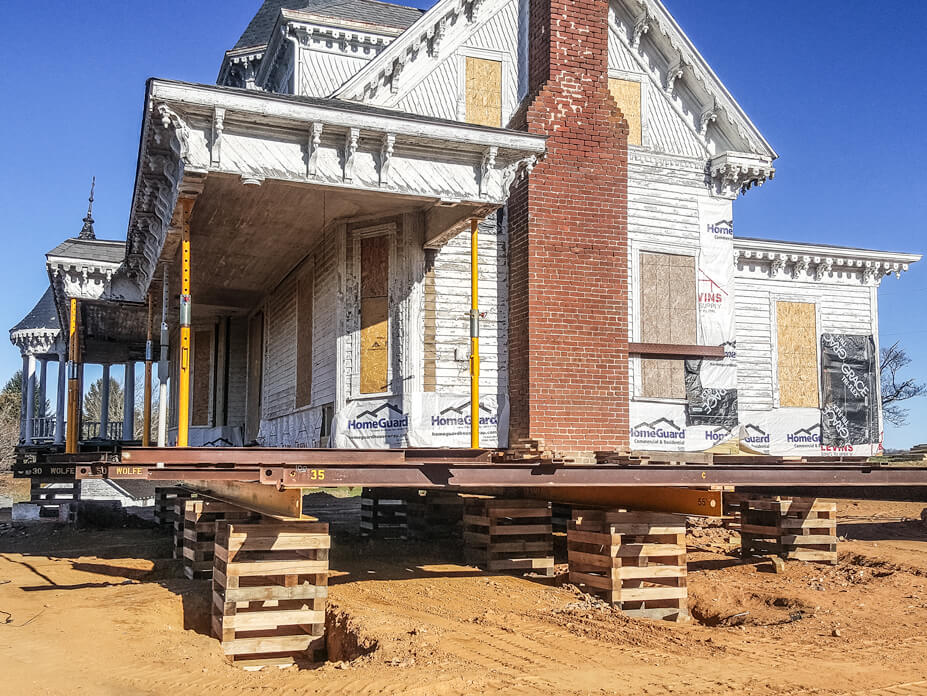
point(146, 404)
point(183, 409)
point(474, 336)
point(74, 393)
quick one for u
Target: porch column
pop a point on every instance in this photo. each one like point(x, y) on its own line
point(22, 399)
point(128, 404)
point(29, 378)
point(163, 367)
point(43, 383)
point(104, 403)
point(59, 397)
point(146, 389)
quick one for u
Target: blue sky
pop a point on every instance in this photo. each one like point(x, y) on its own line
point(832, 84)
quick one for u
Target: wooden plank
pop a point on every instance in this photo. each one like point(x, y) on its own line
point(271, 644)
point(254, 620)
point(644, 594)
point(596, 581)
point(633, 550)
point(275, 592)
point(304, 567)
point(526, 529)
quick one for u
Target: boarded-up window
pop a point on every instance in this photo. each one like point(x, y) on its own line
point(374, 298)
point(304, 339)
point(668, 315)
point(202, 372)
point(484, 91)
point(255, 373)
point(796, 329)
point(627, 95)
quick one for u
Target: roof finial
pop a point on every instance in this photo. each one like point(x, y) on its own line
point(86, 231)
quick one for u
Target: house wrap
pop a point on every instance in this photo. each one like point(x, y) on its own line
point(329, 178)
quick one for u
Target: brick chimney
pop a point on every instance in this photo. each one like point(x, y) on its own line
point(569, 309)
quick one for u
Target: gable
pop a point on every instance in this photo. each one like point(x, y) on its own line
point(686, 109)
point(424, 70)
point(488, 52)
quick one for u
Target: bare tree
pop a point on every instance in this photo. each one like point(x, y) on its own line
point(894, 388)
point(93, 402)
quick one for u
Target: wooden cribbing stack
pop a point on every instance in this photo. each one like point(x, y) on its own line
point(270, 587)
point(799, 529)
point(199, 533)
point(635, 561)
point(383, 513)
point(502, 534)
point(165, 498)
point(434, 515)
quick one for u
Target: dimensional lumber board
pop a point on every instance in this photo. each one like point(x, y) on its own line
point(484, 91)
point(304, 312)
point(627, 94)
point(374, 333)
point(796, 326)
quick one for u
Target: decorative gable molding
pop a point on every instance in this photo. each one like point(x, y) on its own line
point(435, 35)
point(737, 172)
point(664, 53)
point(37, 341)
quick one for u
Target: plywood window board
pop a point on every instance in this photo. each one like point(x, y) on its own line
point(668, 314)
point(483, 87)
point(374, 301)
point(202, 372)
point(304, 314)
point(627, 94)
point(797, 346)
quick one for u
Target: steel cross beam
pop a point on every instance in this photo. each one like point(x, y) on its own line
point(428, 475)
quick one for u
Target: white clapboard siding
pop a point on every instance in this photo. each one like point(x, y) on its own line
point(238, 370)
point(324, 312)
point(280, 355)
point(452, 291)
point(323, 72)
point(843, 307)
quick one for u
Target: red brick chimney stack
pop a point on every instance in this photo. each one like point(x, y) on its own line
point(569, 302)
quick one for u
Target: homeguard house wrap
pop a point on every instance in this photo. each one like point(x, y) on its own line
point(378, 213)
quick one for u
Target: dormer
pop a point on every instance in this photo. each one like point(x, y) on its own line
point(311, 47)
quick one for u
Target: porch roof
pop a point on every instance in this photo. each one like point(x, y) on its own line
point(190, 132)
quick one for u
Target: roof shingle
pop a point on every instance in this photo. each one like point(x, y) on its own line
point(384, 14)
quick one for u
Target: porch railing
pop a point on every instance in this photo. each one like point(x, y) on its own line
point(91, 430)
point(43, 428)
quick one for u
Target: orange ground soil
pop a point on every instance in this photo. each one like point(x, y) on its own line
point(104, 612)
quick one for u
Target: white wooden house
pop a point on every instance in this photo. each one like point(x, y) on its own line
point(328, 182)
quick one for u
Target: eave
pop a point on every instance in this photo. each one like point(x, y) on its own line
point(799, 260)
point(190, 131)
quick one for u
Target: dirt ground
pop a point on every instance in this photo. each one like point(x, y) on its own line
point(104, 612)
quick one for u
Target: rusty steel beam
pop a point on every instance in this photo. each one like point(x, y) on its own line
point(279, 456)
point(506, 475)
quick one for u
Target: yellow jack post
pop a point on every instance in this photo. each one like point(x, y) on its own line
point(73, 426)
point(146, 413)
point(183, 408)
point(474, 337)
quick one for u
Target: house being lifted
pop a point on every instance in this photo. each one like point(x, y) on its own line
point(491, 244)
